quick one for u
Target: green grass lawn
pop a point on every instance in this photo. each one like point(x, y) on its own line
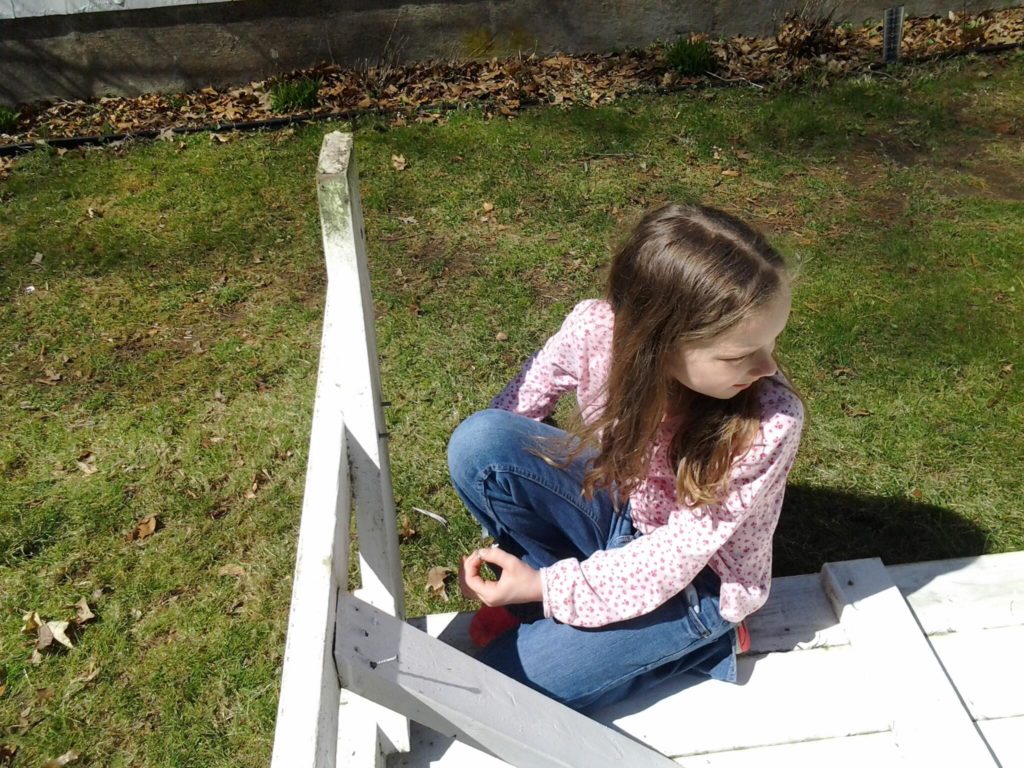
point(171, 344)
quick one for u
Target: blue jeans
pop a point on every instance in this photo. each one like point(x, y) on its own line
point(537, 512)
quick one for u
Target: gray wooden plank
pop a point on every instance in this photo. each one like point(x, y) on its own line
point(409, 672)
point(930, 723)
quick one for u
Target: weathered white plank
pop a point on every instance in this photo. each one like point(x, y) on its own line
point(344, 239)
point(931, 725)
point(964, 593)
point(432, 750)
point(344, 242)
point(360, 743)
point(1006, 738)
point(307, 714)
point(796, 616)
point(408, 671)
point(778, 700)
point(874, 749)
point(986, 668)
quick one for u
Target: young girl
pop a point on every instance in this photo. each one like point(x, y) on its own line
point(631, 549)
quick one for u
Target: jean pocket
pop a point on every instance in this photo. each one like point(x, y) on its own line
point(619, 541)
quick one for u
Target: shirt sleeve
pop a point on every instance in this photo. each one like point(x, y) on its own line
point(552, 371)
point(618, 584)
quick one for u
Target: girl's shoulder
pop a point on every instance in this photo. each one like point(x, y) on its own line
point(782, 410)
point(592, 313)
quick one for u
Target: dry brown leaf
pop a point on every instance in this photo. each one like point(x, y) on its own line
point(52, 631)
point(488, 207)
point(51, 378)
point(7, 753)
point(32, 623)
point(398, 162)
point(37, 260)
point(219, 138)
point(501, 336)
point(84, 613)
point(143, 529)
point(731, 172)
point(436, 577)
point(87, 463)
point(59, 762)
point(3, 681)
point(37, 658)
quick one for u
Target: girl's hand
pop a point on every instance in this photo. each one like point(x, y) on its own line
point(519, 583)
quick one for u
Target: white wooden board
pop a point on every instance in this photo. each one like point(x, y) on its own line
point(931, 725)
point(779, 701)
point(987, 668)
point(1006, 738)
point(964, 593)
point(875, 749)
point(797, 615)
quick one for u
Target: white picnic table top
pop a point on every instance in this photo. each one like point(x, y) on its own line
point(920, 665)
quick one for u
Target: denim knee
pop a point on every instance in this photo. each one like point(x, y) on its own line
point(471, 446)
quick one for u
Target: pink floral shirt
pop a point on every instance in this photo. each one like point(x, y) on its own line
point(733, 537)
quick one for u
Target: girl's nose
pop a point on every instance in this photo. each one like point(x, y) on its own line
point(766, 365)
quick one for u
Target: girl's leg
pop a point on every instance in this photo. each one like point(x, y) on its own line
point(537, 512)
point(533, 510)
point(592, 668)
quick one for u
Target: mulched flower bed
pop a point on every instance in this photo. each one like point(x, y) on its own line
point(804, 50)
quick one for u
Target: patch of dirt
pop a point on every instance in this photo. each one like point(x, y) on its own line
point(999, 181)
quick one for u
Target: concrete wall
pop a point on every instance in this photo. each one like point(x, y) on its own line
point(178, 48)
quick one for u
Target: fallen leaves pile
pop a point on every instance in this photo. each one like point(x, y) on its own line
point(48, 633)
point(803, 48)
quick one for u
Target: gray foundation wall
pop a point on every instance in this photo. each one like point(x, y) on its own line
point(180, 48)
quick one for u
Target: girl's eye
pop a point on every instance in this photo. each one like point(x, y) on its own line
point(735, 359)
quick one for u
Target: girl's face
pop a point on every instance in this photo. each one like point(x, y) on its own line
point(724, 366)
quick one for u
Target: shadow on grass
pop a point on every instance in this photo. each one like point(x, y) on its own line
point(820, 525)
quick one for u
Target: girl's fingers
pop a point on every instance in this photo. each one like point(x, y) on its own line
point(469, 577)
point(498, 557)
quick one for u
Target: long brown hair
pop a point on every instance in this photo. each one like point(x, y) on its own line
point(687, 273)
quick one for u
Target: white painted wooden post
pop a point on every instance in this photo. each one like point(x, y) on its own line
point(307, 712)
point(346, 441)
point(348, 276)
point(344, 238)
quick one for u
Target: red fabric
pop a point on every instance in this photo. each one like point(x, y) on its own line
point(743, 637)
point(490, 622)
